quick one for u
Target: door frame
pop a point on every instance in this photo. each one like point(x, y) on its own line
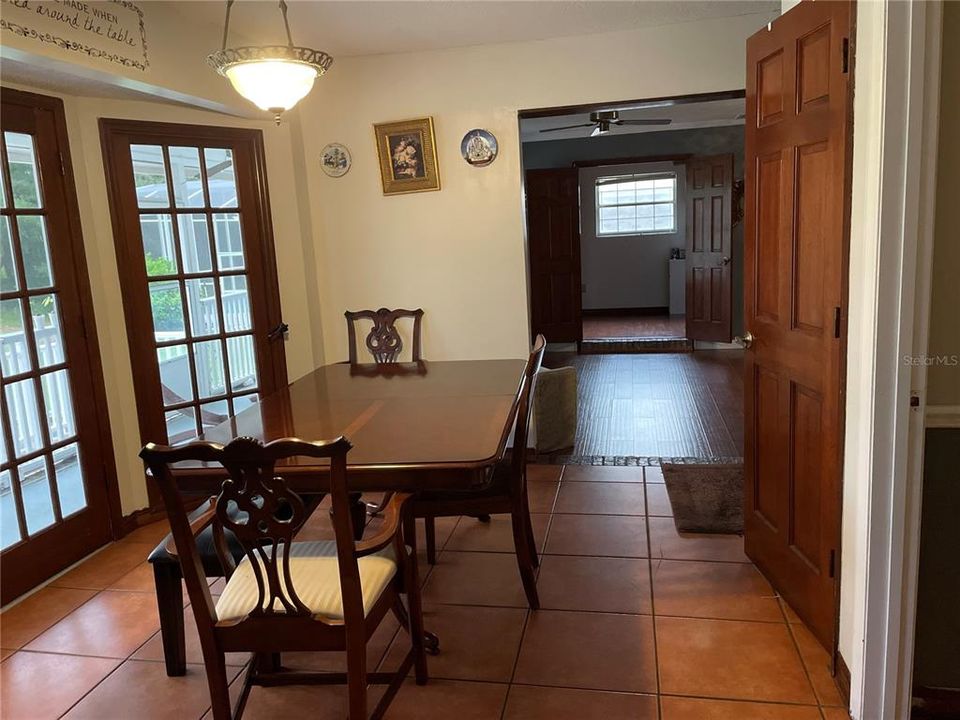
point(104, 435)
point(899, 48)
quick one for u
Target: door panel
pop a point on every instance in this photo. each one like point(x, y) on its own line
point(709, 199)
point(200, 295)
point(553, 233)
point(797, 190)
point(55, 459)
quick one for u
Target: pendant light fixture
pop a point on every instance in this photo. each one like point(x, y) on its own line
point(272, 77)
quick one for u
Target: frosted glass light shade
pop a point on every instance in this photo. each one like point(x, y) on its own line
point(274, 85)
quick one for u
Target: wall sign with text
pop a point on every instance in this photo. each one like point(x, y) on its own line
point(112, 31)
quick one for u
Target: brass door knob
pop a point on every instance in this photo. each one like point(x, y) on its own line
point(745, 340)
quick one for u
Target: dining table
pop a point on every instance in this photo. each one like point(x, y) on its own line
point(429, 425)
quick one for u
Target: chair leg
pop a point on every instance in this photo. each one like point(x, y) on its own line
point(429, 525)
point(219, 686)
point(357, 675)
point(528, 521)
point(167, 579)
point(415, 621)
point(524, 558)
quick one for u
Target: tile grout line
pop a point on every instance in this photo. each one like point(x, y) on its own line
point(653, 606)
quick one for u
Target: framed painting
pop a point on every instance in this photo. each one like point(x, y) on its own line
point(408, 156)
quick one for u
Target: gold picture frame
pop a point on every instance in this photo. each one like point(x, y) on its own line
point(408, 156)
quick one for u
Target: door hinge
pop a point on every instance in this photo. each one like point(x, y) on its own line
point(845, 55)
point(63, 168)
point(836, 322)
point(833, 563)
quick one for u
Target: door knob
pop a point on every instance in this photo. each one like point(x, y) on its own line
point(745, 340)
point(724, 260)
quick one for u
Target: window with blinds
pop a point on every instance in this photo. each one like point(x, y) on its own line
point(636, 204)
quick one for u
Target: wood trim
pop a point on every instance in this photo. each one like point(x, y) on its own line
point(677, 158)
point(623, 104)
point(660, 310)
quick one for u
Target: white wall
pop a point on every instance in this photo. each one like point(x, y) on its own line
point(460, 253)
point(626, 271)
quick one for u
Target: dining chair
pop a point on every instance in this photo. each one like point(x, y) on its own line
point(385, 345)
point(383, 341)
point(286, 596)
point(507, 491)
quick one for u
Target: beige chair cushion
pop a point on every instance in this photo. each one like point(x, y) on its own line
point(316, 579)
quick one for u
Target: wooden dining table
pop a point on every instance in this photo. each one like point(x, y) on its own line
point(414, 426)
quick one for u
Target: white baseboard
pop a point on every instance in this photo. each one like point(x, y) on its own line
point(943, 416)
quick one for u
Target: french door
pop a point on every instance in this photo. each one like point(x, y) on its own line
point(56, 461)
point(198, 275)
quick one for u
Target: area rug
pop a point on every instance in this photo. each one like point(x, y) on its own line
point(706, 498)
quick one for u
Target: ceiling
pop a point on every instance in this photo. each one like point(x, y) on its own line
point(682, 116)
point(373, 27)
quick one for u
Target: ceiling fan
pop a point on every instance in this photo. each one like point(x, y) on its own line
point(603, 120)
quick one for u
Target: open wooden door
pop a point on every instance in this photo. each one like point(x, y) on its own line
point(709, 220)
point(553, 231)
point(797, 193)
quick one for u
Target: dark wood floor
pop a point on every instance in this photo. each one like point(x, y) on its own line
point(601, 327)
point(686, 405)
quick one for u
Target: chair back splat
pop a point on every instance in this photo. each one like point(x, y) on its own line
point(383, 341)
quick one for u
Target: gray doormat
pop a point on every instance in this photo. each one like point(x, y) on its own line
point(706, 498)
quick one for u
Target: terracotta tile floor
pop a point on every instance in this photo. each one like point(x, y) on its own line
point(638, 622)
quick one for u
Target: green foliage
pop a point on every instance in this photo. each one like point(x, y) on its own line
point(165, 304)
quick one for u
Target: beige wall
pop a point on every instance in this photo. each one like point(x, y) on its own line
point(460, 253)
point(293, 261)
point(943, 381)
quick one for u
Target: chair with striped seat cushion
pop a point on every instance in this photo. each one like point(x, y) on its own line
point(316, 577)
point(287, 596)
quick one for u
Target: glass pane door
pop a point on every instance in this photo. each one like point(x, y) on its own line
point(193, 250)
point(42, 480)
point(201, 296)
point(53, 427)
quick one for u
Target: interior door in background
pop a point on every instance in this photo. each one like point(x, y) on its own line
point(553, 234)
point(797, 200)
point(56, 462)
point(709, 206)
point(200, 293)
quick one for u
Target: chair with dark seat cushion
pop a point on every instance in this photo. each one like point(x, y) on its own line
point(507, 492)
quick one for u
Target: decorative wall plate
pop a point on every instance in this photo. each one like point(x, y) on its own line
point(335, 160)
point(479, 147)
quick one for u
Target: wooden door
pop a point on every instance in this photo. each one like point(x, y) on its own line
point(553, 233)
point(56, 462)
point(709, 220)
point(200, 294)
point(797, 195)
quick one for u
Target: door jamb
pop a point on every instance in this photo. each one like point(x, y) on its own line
point(899, 225)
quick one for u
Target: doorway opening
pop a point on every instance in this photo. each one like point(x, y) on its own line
point(634, 222)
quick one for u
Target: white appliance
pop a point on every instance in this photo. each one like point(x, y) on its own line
point(678, 286)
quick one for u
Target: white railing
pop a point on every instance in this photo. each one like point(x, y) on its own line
point(21, 397)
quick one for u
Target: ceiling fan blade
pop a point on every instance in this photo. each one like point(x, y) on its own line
point(666, 121)
point(567, 127)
